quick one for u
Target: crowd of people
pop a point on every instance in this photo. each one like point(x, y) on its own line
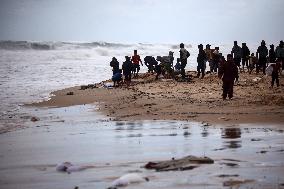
point(240, 59)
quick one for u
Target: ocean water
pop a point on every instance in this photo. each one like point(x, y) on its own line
point(29, 71)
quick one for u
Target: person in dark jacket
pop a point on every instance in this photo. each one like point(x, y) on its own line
point(150, 62)
point(127, 67)
point(275, 73)
point(115, 65)
point(280, 53)
point(201, 60)
point(245, 56)
point(237, 54)
point(228, 72)
point(261, 54)
point(272, 54)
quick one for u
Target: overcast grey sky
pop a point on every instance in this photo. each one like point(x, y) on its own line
point(166, 21)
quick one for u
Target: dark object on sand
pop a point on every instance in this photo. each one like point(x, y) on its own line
point(34, 119)
point(185, 163)
point(89, 86)
point(70, 93)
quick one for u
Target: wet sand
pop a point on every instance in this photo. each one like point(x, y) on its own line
point(246, 156)
point(198, 100)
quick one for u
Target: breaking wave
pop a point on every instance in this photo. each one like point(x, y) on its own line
point(26, 45)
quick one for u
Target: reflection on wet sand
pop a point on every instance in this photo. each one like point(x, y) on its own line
point(118, 148)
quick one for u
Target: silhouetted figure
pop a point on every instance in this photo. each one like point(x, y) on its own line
point(201, 61)
point(228, 71)
point(150, 62)
point(127, 69)
point(117, 78)
point(215, 60)
point(209, 55)
point(275, 73)
point(237, 54)
point(272, 54)
point(177, 67)
point(245, 56)
point(159, 70)
point(184, 54)
point(136, 66)
point(167, 64)
point(280, 53)
point(115, 65)
point(261, 54)
point(252, 62)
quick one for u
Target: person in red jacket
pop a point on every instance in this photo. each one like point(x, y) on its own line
point(228, 72)
point(136, 60)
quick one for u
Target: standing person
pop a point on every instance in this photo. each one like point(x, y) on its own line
point(275, 73)
point(127, 67)
point(215, 60)
point(237, 54)
point(280, 53)
point(201, 60)
point(272, 54)
point(228, 72)
point(245, 56)
point(209, 52)
point(261, 54)
point(184, 54)
point(252, 62)
point(136, 60)
point(115, 65)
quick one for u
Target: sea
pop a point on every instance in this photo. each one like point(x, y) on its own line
point(30, 71)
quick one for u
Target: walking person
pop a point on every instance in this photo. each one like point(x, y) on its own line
point(228, 72)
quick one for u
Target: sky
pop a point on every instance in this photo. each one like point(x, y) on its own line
point(145, 21)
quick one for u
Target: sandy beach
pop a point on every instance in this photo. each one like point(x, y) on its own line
point(166, 99)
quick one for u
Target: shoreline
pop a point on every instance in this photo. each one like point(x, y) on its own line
point(166, 99)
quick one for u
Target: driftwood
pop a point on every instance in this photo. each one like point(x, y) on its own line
point(185, 163)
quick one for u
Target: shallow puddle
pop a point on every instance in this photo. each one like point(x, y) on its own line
point(246, 156)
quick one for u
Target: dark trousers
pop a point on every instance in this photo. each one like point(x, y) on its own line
point(275, 77)
point(228, 89)
point(182, 69)
point(261, 64)
point(245, 62)
point(201, 68)
point(214, 67)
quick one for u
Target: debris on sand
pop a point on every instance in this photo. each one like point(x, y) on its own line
point(127, 179)
point(34, 119)
point(69, 167)
point(236, 182)
point(185, 163)
point(70, 93)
